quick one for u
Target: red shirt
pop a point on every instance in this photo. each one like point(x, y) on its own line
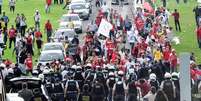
point(48, 2)
point(38, 34)
point(199, 33)
point(166, 55)
point(29, 64)
point(48, 26)
point(29, 40)
point(12, 33)
point(176, 16)
point(173, 60)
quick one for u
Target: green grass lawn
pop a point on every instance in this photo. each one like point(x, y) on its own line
point(28, 7)
point(187, 36)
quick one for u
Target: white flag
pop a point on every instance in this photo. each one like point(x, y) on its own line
point(104, 28)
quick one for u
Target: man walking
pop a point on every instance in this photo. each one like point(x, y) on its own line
point(12, 5)
point(48, 4)
point(48, 29)
point(176, 20)
point(5, 19)
point(37, 19)
point(199, 36)
point(12, 36)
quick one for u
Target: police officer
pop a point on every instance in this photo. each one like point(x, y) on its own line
point(153, 81)
point(168, 87)
point(58, 91)
point(132, 91)
point(98, 91)
point(79, 77)
point(175, 80)
point(119, 90)
point(72, 90)
point(110, 83)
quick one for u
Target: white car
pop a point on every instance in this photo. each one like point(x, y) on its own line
point(87, 4)
point(80, 9)
point(51, 55)
point(70, 33)
point(64, 22)
point(53, 46)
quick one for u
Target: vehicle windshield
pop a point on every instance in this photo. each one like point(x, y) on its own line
point(69, 34)
point(52, 47)
point(78, 6)
point(51, 56)
point(67, 18)
point(78, 1)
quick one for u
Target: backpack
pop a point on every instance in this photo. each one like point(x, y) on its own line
point(154, 83)
point(72, 85)
point(119, 90)
point(97, 89)
point(168, 89)
point(100, 76)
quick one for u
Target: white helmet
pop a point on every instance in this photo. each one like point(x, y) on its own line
point(111, 74)
point(175, 76)
point(167, 75)
point(74, 67)
point(46, 71)
point(2, 65)
point(120, 72)
point(152, 76)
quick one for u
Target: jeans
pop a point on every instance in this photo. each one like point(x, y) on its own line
point(199, 43)
point(177, 25)
point(37, 24)
point(49, 34)
point(12, 40)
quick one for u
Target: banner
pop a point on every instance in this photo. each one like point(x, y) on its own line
point(104, 28)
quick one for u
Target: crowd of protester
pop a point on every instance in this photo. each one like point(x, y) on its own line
point(136, 62)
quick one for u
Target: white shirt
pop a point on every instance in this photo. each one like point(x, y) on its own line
point(131, 37)
point(11, 2)
point(37, 17)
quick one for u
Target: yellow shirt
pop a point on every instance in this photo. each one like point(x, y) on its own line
point(157, 55)
point(2, 24)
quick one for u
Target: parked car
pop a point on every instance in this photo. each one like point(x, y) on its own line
point(80, 9)
point(51, 55)
point(62, 33)
point(65, 19)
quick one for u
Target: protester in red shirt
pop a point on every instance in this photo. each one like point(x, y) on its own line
point(12, 36)
point(28, 63)
point(38, 36)
point(176, 20)
point(47, 8)
point(29, 44)
point(48, 29)
point(199, 36)
point(173, 61)
point(144, 86)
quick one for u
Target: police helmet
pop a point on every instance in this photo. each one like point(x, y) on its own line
point(120, 73)
point(167, 75)
point(174, 76)
point(152, 76)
